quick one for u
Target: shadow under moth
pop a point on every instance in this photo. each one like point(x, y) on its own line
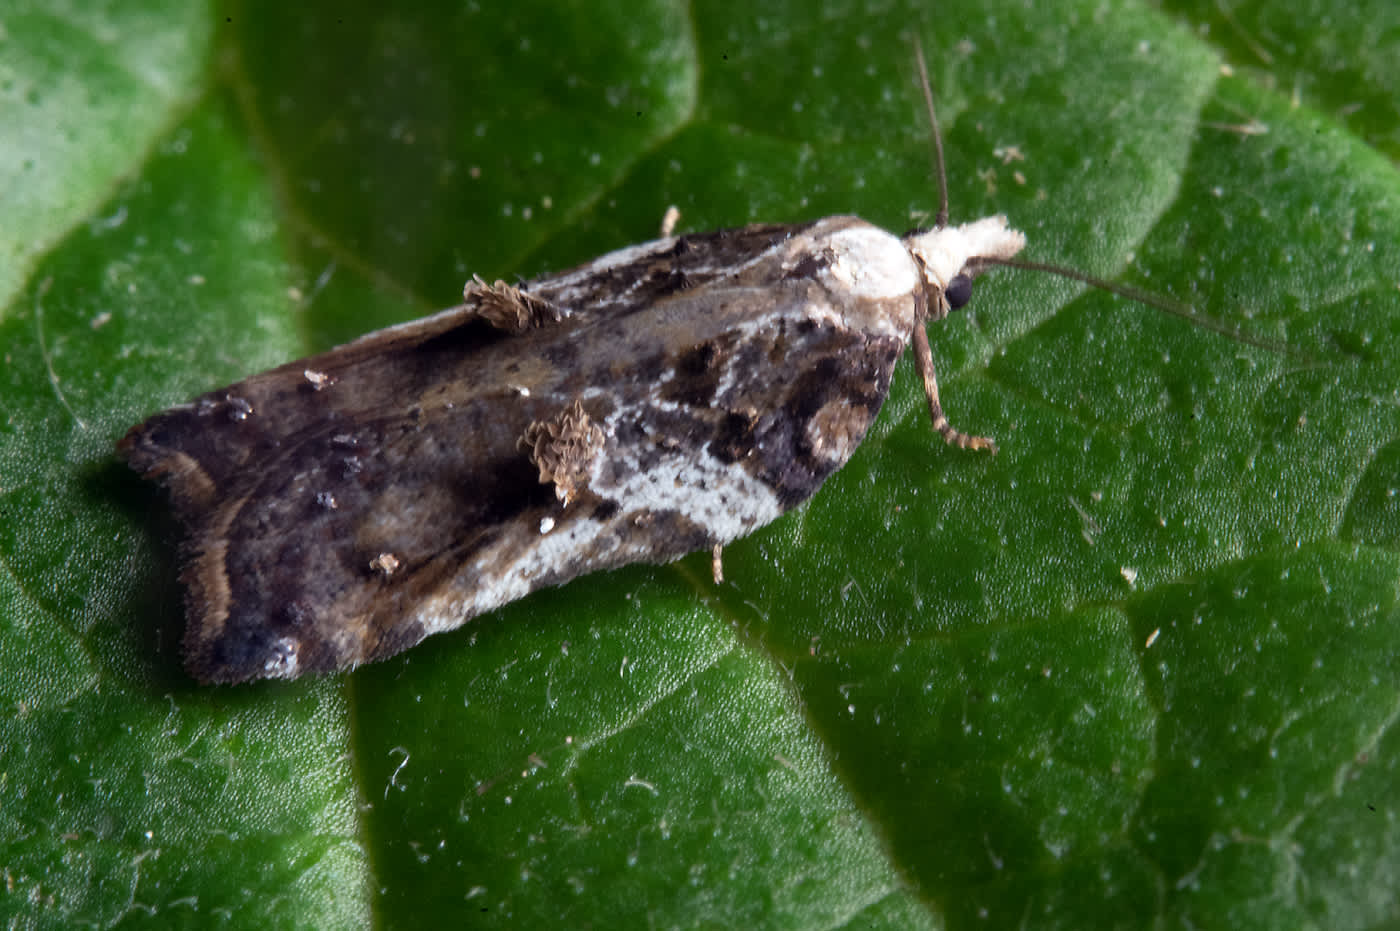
point(665, 398)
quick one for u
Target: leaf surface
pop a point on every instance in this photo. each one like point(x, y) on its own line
point(1139, 667)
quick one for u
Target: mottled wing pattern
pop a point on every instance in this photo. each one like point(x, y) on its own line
point(342, 507)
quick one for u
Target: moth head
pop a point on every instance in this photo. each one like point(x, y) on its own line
point(949, 257)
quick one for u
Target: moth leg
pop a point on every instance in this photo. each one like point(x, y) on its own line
point(717, 563)
point(923, 357)
point(564, 448)
point(669, 219)
point(507, 307)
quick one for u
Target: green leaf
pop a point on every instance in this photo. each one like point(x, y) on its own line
point(1140, 667)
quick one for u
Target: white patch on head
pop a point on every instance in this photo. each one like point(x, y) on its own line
point(945, 252)
point(871, 263)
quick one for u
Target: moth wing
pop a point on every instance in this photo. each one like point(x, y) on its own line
point(343, 507)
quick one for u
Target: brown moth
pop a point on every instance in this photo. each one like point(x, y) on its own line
point(665, 398)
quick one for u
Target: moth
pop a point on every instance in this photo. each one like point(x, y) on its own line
point(665, 398)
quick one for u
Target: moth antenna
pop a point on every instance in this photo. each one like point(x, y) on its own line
point(935, 137)
point(1147, 298)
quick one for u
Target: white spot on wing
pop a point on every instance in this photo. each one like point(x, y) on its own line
point(281, 662)
point(722, 498)
point(498, 583)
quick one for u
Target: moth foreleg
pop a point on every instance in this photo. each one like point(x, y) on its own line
point(923, 357)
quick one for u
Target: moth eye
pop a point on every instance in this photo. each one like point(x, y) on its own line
point(959, 291)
